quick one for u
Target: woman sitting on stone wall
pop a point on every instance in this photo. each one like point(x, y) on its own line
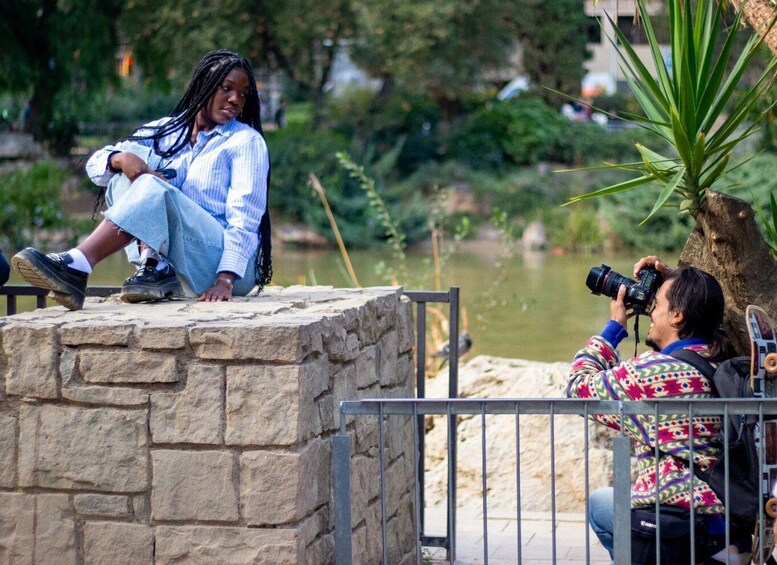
point(187, 199)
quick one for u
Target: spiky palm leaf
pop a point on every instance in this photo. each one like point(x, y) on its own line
point(689, 106)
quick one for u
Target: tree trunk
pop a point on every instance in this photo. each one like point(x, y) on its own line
point(758, 15)
point(727, 243)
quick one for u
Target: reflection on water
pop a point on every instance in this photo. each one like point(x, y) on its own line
point(534, 306)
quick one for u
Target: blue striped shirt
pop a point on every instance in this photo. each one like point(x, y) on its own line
point(224, 172)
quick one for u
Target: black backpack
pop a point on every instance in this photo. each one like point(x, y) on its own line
point(732, 380)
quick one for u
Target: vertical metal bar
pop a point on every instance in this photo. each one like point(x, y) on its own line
point(692, 513)
point(451, 533)
point(11, 306)
point(657, 471)
point(483, 470)
point(586, 442)
point(763, 480)
point(381, 447)
point(453, 334)
point(416, 458)
point(726, 440)
point(518, 479)
point(453, 392)
point(41, 301)
point(341, 470)
point(621, 496)
point(420, 377)
point(553, 481)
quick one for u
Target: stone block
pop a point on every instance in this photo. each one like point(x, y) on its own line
point(7, 451)
point(277, 488)
point(338, 343)
point(343, 388)
point(109, 505)
point(162, 336)
point(405, 325)
point(193, 485)
point(55, 530)
point(69, 447)
point(212, 544)
point(365, 486)
point(326, 412)
point(279, 340)
point(117, 543)
point(388, 351)
point(104, 395)
point(127, 366)
point(273, 405)
point(17, 522)
point(37, 529)
point(96, 332)
point(194, 414)
point(141, 508)
point(366, 367)
point(31, 375)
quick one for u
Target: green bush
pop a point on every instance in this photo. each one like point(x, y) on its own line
point(298, 150)
point(372, 122)
point(29, 202)
point(519, 131)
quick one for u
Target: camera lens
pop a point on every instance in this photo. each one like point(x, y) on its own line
point(596, 277)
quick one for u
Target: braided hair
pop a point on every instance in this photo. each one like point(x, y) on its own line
point(206, 78)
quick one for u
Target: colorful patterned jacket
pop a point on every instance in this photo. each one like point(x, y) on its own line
point(597, 372)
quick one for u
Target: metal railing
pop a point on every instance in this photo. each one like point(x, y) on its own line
point(519, 408)
point(421, 298)
point(13, 291)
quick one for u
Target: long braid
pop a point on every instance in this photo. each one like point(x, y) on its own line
point(206, 78)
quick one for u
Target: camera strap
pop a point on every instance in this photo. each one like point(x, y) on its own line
point(636, 333)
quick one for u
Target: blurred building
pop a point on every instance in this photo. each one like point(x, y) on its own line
point(604, 75)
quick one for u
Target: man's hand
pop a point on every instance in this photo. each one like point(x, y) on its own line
point(652, 261)
point(618, 310)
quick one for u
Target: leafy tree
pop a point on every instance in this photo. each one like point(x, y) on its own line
point(299, 37)
point(443, 49)
point(49, 48)
point(553, 35)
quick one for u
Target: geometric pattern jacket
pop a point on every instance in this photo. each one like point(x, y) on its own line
point(597, 372)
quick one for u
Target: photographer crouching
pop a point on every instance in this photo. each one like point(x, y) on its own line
point(685, 307)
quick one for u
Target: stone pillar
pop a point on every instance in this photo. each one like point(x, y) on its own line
point(199, 432)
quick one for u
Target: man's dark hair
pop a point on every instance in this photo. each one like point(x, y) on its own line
point(699, 297)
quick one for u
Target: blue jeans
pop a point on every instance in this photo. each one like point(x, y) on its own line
point(161, 216)
point(600, 516)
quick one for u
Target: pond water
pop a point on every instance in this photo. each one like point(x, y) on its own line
point(528, 306)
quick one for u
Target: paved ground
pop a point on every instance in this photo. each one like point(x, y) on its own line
point(537, 543)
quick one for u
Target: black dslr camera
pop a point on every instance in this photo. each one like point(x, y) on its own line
point(639, 294)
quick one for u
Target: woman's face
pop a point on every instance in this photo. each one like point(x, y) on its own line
point(227, 102)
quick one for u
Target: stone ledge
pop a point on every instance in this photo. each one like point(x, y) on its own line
point(198, 432)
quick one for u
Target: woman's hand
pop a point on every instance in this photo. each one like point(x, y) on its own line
point(131, 165)
point(221, 291)
point(652, 261)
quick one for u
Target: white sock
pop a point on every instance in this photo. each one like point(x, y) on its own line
point(79, 261)
point(149, 253)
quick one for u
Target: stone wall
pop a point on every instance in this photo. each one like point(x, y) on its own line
point(200, 433)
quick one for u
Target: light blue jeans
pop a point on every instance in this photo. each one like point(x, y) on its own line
point(161, 216)
point(600, 516)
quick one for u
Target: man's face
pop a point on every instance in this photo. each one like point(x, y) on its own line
point(662, 332)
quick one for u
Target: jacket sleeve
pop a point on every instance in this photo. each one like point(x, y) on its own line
point(597, 372)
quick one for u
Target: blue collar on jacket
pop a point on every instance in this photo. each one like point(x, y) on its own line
point(682, 343)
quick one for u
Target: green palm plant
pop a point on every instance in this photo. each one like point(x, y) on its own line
point(690, 103)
